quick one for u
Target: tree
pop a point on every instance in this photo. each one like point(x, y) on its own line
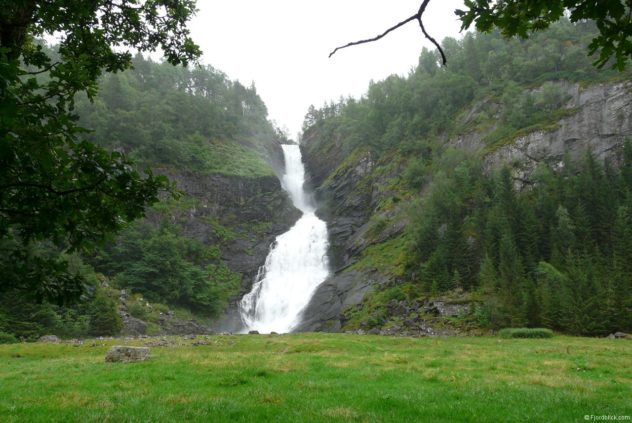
point(54, 185)
point(523, 17)
point(104, 318)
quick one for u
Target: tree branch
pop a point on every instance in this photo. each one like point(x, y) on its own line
point(52, 190)
point(444, 61)
point(416, 17)
point(370, 40)
point(46, 69)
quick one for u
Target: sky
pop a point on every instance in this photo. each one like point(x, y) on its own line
point(283, 46)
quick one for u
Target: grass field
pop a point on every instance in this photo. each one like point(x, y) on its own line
point(321, 377)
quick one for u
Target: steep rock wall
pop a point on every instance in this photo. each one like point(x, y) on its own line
point(347, 195)
point(240, 215)
point(601, 123)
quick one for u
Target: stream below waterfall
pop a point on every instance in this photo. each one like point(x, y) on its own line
point(296, 264)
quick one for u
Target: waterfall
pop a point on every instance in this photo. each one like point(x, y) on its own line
point(296, 264)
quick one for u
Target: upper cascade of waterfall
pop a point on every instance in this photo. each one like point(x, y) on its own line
point(294, 178)
point(296, 265)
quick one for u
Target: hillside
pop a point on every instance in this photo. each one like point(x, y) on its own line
point(199, 248)
point(494, 192)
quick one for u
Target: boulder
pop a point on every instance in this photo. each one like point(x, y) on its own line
point(253, 332)
point(441, 308)
point(125, 354)
point(620, 335)
point(133, 326)
point(51, 339)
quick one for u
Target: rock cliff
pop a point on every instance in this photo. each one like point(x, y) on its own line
point(599, 121)
point(241, 215)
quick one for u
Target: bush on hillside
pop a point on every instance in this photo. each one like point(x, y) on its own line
point(7, 338)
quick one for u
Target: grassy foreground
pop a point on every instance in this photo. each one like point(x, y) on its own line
point(321, 377)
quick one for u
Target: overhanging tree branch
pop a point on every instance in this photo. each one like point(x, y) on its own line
point(433, 41)
point(370, 40)
point(416, 17)
point(49, 188)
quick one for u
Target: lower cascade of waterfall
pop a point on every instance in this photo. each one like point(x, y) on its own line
point(296, 265)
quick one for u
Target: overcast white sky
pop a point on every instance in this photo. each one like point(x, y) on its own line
point(282, 45)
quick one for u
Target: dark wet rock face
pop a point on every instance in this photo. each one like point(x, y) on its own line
point(345, 196)
point(325, 311)
point(240, 215)
point(345, 203)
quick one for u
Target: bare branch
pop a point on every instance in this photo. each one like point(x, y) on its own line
point(416, 17)
point(444, 61)
point(370, 40)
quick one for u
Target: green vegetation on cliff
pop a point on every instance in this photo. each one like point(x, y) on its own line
point(544, 251)
point(194, 120)
point(497, 86)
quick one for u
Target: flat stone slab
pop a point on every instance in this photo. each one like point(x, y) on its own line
point(125, 354)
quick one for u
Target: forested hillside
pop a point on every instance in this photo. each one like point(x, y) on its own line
point(499, 184)
point(211, 137)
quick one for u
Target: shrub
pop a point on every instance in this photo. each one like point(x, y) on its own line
point(416, 173)
point(7, 338)
point(525, 333)
point(104, 317)
point(138, 310)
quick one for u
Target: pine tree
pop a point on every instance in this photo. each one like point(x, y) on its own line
point(104, 317)
point(512, 278)
point(488, 277)
point(563, 236)
point(553, 296)
point(626, 167)
point(532, 307)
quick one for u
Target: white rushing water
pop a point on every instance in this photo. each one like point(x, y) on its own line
point(296, 265)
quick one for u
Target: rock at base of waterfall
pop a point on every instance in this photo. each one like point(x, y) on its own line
point(125, 354)
point(253, 332)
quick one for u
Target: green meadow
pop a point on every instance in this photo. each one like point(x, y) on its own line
point(320, 378)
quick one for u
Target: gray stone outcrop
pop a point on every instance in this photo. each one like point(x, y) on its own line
point(601, 124)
